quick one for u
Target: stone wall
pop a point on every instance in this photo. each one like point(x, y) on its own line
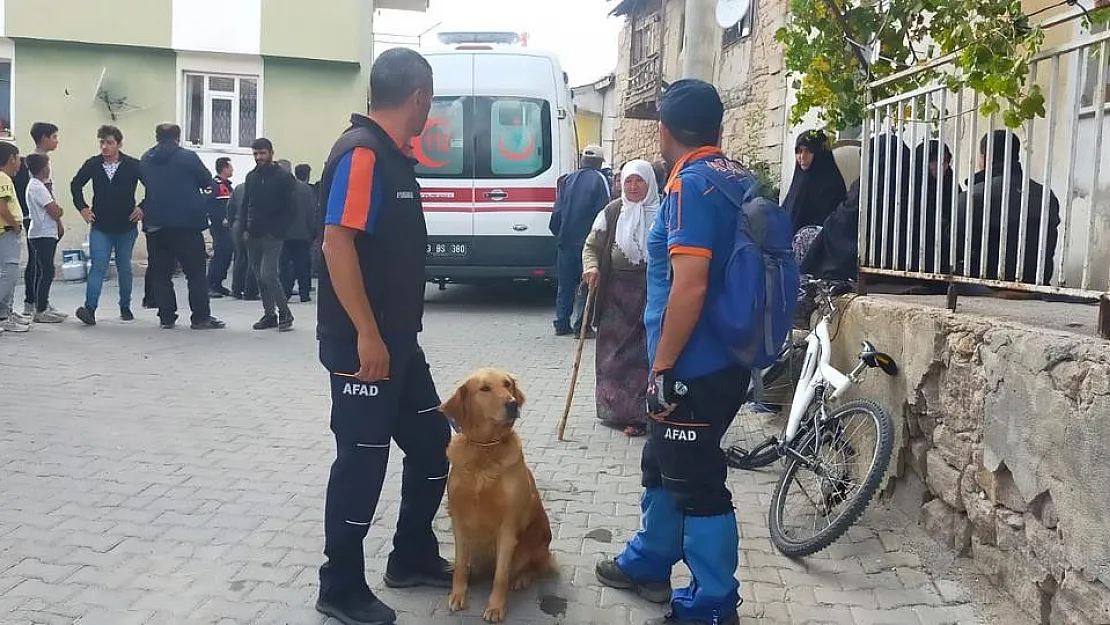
point(750, 77)
point(1004, 433)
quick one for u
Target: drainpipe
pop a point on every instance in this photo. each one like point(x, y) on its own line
point(365, 54)
point(701, 40)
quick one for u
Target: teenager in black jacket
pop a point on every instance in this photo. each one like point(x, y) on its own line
point(112, 218)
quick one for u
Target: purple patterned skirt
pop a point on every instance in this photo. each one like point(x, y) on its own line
point(803, 240)
point(621, 351)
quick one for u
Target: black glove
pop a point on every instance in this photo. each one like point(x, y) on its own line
point(665, 391)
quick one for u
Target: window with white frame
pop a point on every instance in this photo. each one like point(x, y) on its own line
point(6, 98)
point(221, 111)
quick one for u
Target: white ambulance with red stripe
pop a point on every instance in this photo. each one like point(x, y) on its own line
point(500, 135)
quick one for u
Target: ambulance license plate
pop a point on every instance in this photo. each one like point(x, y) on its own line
point(448, 250)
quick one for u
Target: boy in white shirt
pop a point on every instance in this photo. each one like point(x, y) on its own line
point(46, 228)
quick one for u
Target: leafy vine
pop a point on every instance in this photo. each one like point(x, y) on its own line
point(834, 48)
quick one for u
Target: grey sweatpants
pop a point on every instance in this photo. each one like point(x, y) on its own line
point(265, 254)
point(10, 249)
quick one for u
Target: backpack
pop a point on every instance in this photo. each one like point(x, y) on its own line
point(754, 313)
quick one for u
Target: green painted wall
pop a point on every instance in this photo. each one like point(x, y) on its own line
point(122, 22)
point(332, 30)
point(54, 82)
point(306, 105)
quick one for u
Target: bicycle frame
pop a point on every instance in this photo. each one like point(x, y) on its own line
point(816, 373)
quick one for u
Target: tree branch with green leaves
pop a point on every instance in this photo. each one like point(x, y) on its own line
point(835, 48)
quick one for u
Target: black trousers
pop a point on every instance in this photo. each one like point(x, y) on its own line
point(29, 271)
point(243, 281)
point(223, 249)
point(683, 452)
point(296, 266)
point(171, 246)
point(43, 275)
point(365, 418)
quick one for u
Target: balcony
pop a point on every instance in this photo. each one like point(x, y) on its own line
point(643, 89)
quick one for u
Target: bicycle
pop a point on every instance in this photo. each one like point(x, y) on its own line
point(814, 428)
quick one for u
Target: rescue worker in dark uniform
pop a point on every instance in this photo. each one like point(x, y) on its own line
point(695, 389)
point(371, 302)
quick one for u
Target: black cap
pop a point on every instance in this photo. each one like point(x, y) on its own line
point(692, 106)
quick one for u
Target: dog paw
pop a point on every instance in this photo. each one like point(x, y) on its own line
point(521, 583)
point(458, 600)
point(494, 614)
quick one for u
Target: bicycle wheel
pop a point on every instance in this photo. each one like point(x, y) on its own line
point(850, 453)
point(753, 433)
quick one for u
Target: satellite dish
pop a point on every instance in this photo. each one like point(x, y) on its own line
point(732, 12)
point(99, 88)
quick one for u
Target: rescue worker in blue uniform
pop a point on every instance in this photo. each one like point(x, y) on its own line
point(371, 302)
point(695, 388)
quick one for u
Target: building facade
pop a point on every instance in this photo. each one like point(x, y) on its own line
point(596, 114)
point(227, 72)
point(747, 69)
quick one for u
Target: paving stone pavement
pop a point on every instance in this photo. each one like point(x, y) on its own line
point(165, 477)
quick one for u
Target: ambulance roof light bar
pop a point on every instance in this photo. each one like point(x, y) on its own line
point(470, 38)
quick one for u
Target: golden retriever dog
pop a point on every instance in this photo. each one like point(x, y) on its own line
point(498, 520)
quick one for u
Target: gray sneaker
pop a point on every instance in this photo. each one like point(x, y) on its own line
point(48, 317)
point(12, 325)
point(57, 313)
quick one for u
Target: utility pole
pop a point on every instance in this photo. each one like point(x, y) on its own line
point(700, 40)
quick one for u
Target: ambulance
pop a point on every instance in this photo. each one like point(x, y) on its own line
point(499, 137)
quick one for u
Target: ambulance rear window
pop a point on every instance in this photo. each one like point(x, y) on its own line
point(518, 146)
point(441, 151)
point(485, 138)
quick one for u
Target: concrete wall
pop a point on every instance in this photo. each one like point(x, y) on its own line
point(118, 22)
point(1005, 447)
point(303, 133)
point(55, 83)
point(331, 30)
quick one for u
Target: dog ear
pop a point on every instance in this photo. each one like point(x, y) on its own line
point(518, 394)
point(455, 408)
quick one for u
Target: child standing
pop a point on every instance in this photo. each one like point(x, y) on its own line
point(11, 231)
point(46, 229)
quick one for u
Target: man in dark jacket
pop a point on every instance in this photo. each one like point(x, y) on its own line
point(267, 212)
point(177, 189)
point(296, 254)
point(113, 219)
point(219, 226)
point(1006, 178)
point(583, 195)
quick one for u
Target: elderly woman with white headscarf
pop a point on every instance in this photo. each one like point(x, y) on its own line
point(614, 262)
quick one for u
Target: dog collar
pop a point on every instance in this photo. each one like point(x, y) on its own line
point(482, 444)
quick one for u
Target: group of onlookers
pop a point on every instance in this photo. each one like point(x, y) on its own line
point(266, 226)
point(601, 244)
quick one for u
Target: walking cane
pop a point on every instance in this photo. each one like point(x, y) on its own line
point(586, 315)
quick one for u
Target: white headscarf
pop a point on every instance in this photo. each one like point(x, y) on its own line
point(635, 217)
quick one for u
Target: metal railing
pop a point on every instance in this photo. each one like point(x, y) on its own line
point(1031, 215)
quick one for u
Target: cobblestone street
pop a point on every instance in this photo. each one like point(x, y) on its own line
point(163, 477)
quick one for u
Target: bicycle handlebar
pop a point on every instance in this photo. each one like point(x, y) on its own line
point(835, 287)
